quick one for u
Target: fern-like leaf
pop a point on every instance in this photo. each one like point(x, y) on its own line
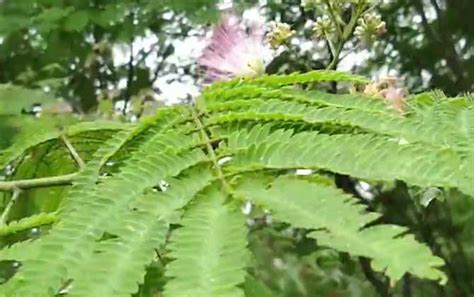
point(308, 77)
point(118, 264)
point(28, 223)
point(362, 156)
point(209, 249)
point(177, 193)
point(339, 223)
point(37, 136)
point(79, 230)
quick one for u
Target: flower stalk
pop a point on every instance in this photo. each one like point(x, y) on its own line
point(343, 31)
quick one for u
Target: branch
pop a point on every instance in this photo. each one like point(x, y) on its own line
point(437, 8)
point(342, 35)
point(335, 56)
point(334, 18)
point(168, 51)
point(145, 54)
point(130, 76)
point(44, 182)
point(74, 154)
point(445, 46)
point(407, 291)
point(382, 287)
point(211, 153)
point(6, 211)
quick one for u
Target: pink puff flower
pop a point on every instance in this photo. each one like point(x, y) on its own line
point(395, 97)
point(233, 51)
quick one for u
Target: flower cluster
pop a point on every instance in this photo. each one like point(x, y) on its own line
point(367, 27)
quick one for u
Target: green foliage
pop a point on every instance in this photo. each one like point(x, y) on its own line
point(40, 131)
point(170, 189)
point(209, 249)
point(316, 207)
point(27, 223)
point(14, 98)
point(255, 289)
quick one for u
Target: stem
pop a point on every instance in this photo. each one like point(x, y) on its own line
point(343, 35)
point(160, 258)
point(130, 77)
point(335, 55)
point(211, 152)
point(334, 17)
point(444, 44)
point(6, 211)
point(61, 180)
point(430, 237)
point(74, 154)
point(165, 54)
point(407, 291)
point(382, 287)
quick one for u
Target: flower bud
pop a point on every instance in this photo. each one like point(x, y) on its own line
point(280, 34)
point(381, 28)
point(323, 27)
point(369, 27)
point(310, 4)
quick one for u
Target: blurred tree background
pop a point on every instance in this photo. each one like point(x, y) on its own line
point(78, 58)
point(82, 57)
point(86, 52)
point(428, 43)
point(71, 47)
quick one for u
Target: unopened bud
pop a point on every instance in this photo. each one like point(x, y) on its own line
point(310, 4)
point(381, 28)
point(280, 34)
point(323, 27)
point(370, 26)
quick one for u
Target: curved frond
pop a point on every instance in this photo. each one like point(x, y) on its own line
point(224, 90)
point(308, 77)
point(339, 223)
point(317, 109)
point(162, 156)
point(176, 193)
point(36, 136)
point(117, 265)
point(143, 229)
point(209, 249)
point(363, 156)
